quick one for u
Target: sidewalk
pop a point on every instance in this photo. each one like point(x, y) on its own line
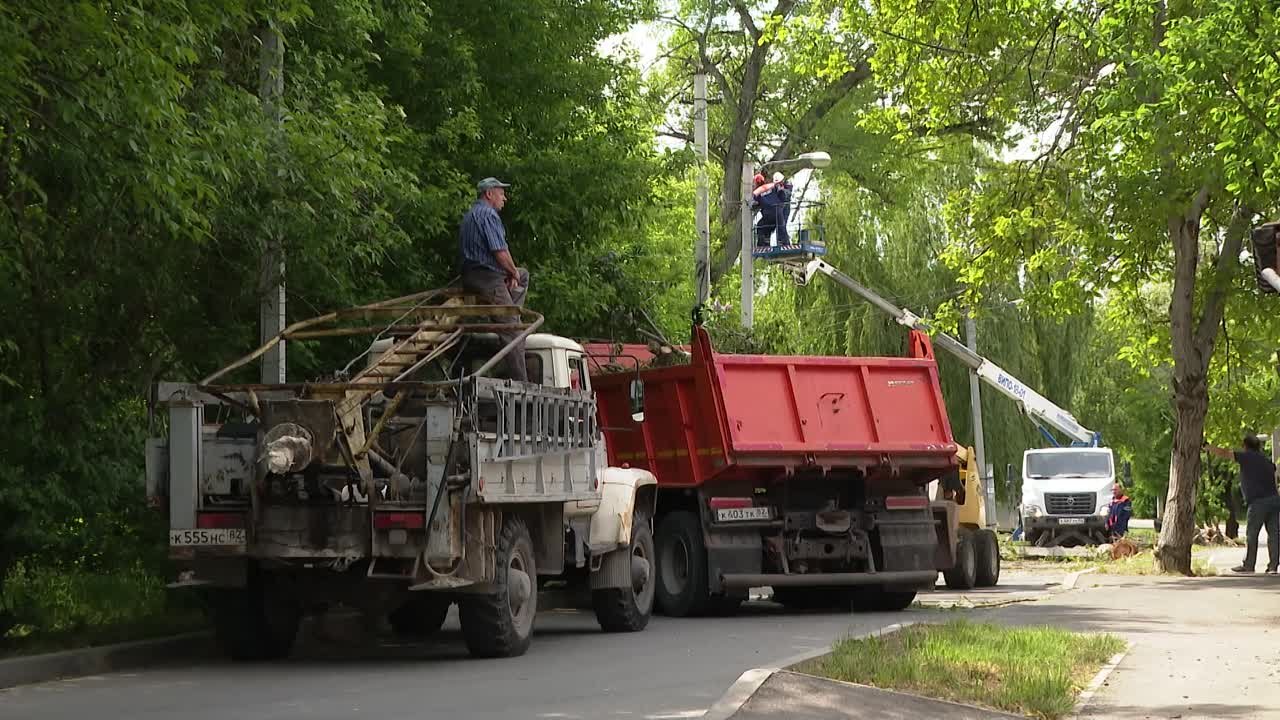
point(1202, 647)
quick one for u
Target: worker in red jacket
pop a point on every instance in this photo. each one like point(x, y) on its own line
point(1121, 511)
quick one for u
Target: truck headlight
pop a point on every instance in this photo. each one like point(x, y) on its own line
point(1104, 509)
point(1034, 511)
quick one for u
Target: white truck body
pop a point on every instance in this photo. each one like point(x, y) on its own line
point(1067, 492)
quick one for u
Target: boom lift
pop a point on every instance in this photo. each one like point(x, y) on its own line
point(1066, 490)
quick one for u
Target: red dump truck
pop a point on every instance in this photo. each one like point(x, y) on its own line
point(808, 475)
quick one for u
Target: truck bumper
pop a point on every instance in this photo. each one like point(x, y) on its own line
point(925, 578)
point(1057, 529)
point(1053, 522)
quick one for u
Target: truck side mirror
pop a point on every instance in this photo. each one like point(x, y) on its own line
point(637, 400)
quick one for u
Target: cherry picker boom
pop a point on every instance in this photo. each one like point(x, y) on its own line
point(1066, 491)
point(1040, 409)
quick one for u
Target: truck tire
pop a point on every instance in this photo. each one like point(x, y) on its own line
point(987, 554)
point(419, 616)
point(682, 565)
point(964, 575)
point(629, 609)
point(500, 623)
point(252, 623)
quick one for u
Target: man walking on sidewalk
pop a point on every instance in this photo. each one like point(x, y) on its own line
point(1258, 487)
point(486, 265)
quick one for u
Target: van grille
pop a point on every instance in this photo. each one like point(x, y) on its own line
point(1070, 503)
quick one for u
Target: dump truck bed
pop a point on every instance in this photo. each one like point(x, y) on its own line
point(739, 415)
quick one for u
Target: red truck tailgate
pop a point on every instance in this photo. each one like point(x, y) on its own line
point(823, 405)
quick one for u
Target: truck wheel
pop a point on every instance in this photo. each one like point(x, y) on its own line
point(252, 624)
point(419, 616)
point(682, 565)
point(987, 554)
point(500, 624)
point(964, 574)
point(629, 609)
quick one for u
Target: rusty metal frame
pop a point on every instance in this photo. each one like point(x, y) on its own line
point(431, 311)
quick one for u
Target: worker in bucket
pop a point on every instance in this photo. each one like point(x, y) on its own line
point(486, 265)
point(774, 201)
point(1258, 488)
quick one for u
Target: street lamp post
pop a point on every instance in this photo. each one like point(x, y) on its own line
point(807, 161)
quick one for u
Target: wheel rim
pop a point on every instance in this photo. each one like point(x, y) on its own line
point(675, 566)
point(642, 574)
point(521, 596)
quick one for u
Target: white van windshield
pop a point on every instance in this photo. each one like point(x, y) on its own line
point(1068, 464)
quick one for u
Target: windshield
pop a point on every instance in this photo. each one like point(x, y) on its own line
point(1064, 464)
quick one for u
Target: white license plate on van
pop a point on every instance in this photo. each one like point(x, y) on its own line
point(218, 536)
point(744, 514)
point(1070, 521)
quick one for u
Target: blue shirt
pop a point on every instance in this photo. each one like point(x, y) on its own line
point(480, 236)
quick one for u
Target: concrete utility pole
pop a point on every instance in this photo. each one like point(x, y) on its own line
point(748, 243)
point(975, 400)
point(271, 310)
point(702, 244)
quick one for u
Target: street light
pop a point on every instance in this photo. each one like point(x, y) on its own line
point(806, 161)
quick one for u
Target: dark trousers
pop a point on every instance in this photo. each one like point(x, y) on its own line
point(491, 287)
point(1263, 511)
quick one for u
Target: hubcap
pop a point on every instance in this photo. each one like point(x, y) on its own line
point(519, 591)
point(675, 568)
point(639, 573)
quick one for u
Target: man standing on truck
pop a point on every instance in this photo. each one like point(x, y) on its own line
point(1258, 488)
point(486, 265)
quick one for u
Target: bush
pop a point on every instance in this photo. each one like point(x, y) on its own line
point(52, 608)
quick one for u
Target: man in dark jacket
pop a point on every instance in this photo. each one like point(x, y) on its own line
point(1258, 488)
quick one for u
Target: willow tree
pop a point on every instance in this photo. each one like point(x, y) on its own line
point(1158, 152)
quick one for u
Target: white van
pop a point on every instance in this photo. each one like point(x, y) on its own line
point(1066, 495)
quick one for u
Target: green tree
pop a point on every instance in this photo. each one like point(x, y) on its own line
point(1159, 155)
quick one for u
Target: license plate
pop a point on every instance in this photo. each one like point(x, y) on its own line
point(747, 513)
point(219, 536)
point(1070, 521)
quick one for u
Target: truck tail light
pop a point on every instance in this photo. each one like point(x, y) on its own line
point(215, 520)
point(906, 502)
point(726, 503)
point(407, 521)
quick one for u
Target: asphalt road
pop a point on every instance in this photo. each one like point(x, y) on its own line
point(674, 669)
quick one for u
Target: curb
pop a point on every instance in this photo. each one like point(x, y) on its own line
point(750, 681)
point(97, 660)
point(1086, 697)
point(1070, 582)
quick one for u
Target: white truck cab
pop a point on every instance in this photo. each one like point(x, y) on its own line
point(555, 361)
point(1066, 494)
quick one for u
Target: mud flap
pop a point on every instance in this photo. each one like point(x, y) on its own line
point(946, 523)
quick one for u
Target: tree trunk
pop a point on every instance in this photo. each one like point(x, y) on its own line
point(1173, 554)
point(1193, 340)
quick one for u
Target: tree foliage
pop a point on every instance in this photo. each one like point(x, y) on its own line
point(141, 179)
